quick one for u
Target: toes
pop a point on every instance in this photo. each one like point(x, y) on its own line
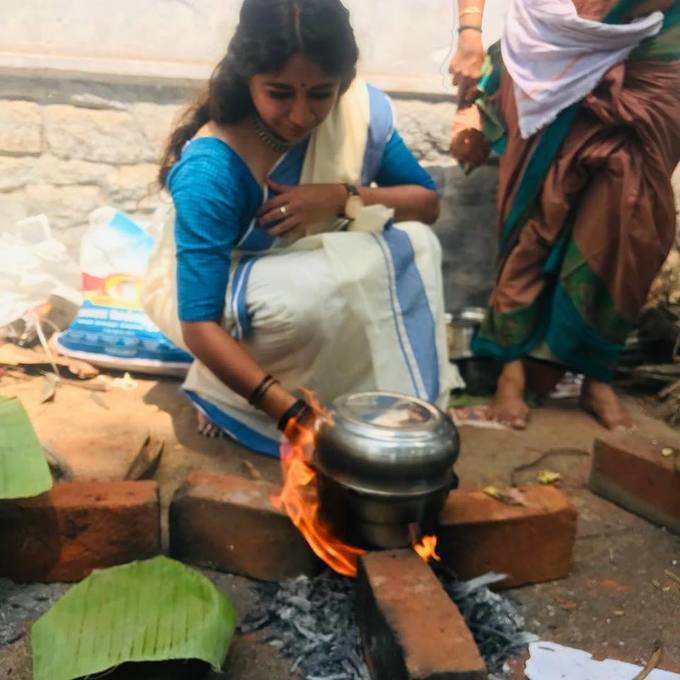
point(210, 430)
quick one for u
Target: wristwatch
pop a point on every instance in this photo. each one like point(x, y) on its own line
point(353, 204)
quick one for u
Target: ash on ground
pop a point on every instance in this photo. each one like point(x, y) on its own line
point(494, 620)
point(312, 622)
point(20, 605)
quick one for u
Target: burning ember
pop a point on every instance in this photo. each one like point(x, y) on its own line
point(427, 549)
point(300, 500)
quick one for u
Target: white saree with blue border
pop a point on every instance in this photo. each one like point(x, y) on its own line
point(335, 309)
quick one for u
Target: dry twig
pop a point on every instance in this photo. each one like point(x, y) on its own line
point(147, 460)
point(541, 458)
point(651, 664)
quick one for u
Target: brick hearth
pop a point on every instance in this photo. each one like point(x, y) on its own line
point(228, 523)
point(410, 628)
point(64, 534)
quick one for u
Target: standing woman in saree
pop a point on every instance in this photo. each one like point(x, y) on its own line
point(582, 101)
point(295, 254)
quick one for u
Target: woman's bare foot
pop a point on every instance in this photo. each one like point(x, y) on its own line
point(508, 405)
point(600, 400)
point(206, 427)
point(542, 377)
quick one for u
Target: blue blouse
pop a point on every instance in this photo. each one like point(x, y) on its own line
point(216, 199)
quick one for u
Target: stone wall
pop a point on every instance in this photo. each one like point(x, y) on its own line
point(69, 146)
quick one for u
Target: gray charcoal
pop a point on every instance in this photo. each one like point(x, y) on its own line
point(20, 605)
point(312, 622)
point(494, 620)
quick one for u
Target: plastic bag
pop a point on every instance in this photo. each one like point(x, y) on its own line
point(111, 328)
point(33, 267)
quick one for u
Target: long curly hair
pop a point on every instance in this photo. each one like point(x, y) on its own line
point(268, 34)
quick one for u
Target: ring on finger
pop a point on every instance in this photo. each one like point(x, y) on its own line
point(284, 210)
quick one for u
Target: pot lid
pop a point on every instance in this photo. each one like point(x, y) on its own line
point(387, 414)
point(387, 441)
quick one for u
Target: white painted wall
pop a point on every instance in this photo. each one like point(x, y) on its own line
point(404, 43)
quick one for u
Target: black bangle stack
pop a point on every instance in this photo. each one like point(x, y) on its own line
point(298, 410)
point(469, 27)
point(258, 393)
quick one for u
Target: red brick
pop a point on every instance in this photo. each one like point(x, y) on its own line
point(228, 523)
point(410, 627)
point(530, 544)
point(629, 470)
point(76, 527)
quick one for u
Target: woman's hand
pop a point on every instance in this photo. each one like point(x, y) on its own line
point(300, 205)
point(466, 64)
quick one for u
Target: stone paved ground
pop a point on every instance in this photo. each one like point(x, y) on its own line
point(613, 603)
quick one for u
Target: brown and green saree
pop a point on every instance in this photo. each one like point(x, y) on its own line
point(587, 214)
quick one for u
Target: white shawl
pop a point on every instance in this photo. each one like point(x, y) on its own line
point(555, 57)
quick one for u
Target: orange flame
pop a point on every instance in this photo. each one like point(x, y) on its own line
point(427, 548)
point(300, 500)
point(299, 495)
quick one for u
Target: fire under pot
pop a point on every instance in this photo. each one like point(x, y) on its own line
point(384, 466)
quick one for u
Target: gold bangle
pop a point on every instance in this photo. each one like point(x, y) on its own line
point(470, 10)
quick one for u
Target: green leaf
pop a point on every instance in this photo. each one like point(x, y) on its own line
point(23, 469)
point(155, 610)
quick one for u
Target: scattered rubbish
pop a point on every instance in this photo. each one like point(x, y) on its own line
point(51, 380)
point(97, 399)
point(548, 477)
point(311, 621)
point(568, 605)
point(254, 473)
point(90, 629)
point(13, 373)
point(49, 387)
point(475, 416)
point(60, 469)
point(127, 383)
point(90, 385)
point(543, 457)
point(569, 387)
point(33, 267)
point(147, 460)
point(672, 389)
point(659, 374)
point(111, 329)
point(672, 576)
point(651, 664)
point(51, 317)
point(507, 496)
point(460, 401)
point(37, 359)
point(657, 338)
point(550, 661)
point(24, 471)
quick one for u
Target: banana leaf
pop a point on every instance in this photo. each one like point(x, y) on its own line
point(23, 468)
point(154, 610)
